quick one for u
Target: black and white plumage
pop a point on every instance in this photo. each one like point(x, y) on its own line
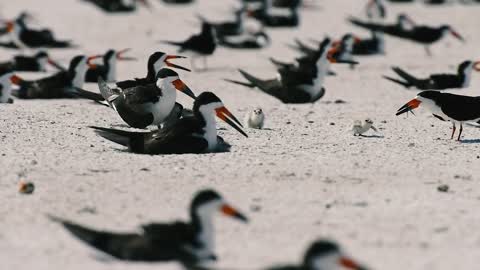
point(200, 45)
point(250, 41)
point(189, 243)
point(270, 20)
point(108, 70)
point(229, 28)
point(149, 104)
point(35, 63)
point(6, 79)
point(370, 46)
point(195, 134)
point(63, 84)
point(446, 107)
point(118, 6)
point(23, 37)
point(437, 81)
point(322, 254)
point(400, 27)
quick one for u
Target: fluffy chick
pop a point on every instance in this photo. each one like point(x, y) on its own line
point(255, 118)
point(360, 127)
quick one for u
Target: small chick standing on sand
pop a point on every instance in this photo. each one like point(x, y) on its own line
point(359, 128)
point(255, 118)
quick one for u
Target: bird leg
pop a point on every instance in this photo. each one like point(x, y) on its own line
point(453, 131)
point(428, 51)
point(460, 133)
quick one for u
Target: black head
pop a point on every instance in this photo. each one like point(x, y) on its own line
point(76, 61)
point(204, 99)
point(320, 248)
point(207, 202)
point(433, 95)
point(205, 196)
point(109, 55)
point(464, 65)
point(41, 54)
point(166, 72)
point(207, 28)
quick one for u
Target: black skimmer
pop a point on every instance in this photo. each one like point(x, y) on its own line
point(23, 37)
point(438, 81)
point(423, 35)
point(288, 87)
point(203, 44)
point(195, 134)
point(376, 10)
point(114, 6)
point(256, 40)
point(370, 46)
point(447, 107)
point(6, 79)
point(108, 71)
point(323, 255)
point(60, 85)
point(156, 61)
point(35, 63)
point(231, 28)
point(21, 20)
point(146, 105)
point(189, 243)
point(403, 24)
point(342, 50)
point(262, 15)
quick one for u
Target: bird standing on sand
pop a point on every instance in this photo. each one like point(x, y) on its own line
point(438, 81)
point(190, 244)
point(447, 107)
point(255, 118)
point(194, 134)
point(201, 45)
point(323, 255)
point(359, 128)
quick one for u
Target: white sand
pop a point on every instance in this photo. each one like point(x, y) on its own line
point(385, 207)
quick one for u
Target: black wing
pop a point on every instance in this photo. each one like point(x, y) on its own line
point(461, 108)
point(142, 94)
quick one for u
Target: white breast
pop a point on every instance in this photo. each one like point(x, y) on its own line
point(163, 107)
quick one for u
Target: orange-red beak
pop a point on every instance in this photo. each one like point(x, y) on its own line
point(55, 64)
point(10, 26)
point(224, 114)
point(120, 56)
point(412, 104)
point(16, 80)
point(169, 57)
point(350, 264)
point(182, 87)
point(476, 66)
point(232, 212)
point(457, 35)
point(91, 58)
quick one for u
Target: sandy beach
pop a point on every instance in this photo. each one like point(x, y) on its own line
point(303, 177)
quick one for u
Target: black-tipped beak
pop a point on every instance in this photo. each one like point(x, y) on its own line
point(232, 212)
point(412, 104)
point(182, 87)
point(457, 35)
point(169, 57)
point(224, 114)
point(120, 56)
point(55, 64)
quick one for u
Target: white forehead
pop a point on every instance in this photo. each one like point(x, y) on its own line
point(329, 261)
point(210, 207)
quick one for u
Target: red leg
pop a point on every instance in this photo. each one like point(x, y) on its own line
point(460, 133)
point(453, 131)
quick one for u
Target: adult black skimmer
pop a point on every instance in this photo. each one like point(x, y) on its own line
point(60, 85)
point(6, 79)
point(447, 107)
point(370, 46)
point(108, 71)
point(35, 63)
point(256, 40)
point(114, 6)
point(156, 61)
point(263, 15)
point(423, 35)
point(195, 134)
point(323, 255)
point(342, 50)
point(23, 37)
point(288, 87)
point(21, 19)
point(203, 44)
point(376, 10)
point(146, 105)
point(231, 28)
point(438, 81)
point(189, 243)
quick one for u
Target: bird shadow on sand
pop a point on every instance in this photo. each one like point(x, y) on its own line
point(470, 141)
point(372, 136)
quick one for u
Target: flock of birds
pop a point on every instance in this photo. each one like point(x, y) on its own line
point(152, 101)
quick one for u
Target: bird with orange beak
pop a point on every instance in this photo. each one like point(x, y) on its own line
point(323, 254)
point(189, 243)
point(446, 107)
point(193, 134)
